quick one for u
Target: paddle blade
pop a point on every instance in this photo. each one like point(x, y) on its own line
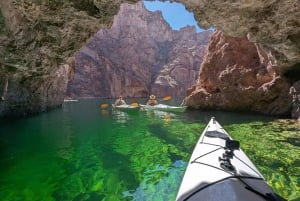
point(134, 104)
point(167, 98)
point(104, 106)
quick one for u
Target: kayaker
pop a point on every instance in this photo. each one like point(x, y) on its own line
point(152, 100)
point(120, 101)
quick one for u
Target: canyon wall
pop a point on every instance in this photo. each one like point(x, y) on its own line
point(235, 76)
point(256, 78)
point(38, 41)
point(272, 23)
point(140, 54)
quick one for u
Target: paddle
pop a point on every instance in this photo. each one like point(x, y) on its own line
point(166, 98)
point(104, 106)
point(135, 104)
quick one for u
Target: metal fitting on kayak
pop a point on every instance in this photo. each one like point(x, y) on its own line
point(225, 160)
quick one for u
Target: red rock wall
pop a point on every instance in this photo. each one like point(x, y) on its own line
point(236, 75)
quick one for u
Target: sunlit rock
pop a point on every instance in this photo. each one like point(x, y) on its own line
point(234, 76)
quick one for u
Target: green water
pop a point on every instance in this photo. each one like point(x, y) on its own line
point(80, 152)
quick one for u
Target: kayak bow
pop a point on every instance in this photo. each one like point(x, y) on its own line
point(219, 170)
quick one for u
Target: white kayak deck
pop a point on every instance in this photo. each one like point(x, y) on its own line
point(206, 180)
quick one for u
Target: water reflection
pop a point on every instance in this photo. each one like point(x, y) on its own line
point(120, 116)
point(167, 117)
point(104, 112)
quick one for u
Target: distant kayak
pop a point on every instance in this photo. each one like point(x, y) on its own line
point(70, 100)
point(166, 108)
point(126, 107)
point(219, 170)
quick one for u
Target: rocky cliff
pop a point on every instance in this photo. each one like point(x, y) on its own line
point(274, 28)
point(38, 40)
point(235, 75)
point(140, 54)
point(271, 23)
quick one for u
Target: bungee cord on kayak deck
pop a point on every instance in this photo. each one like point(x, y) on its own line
point(267, 196)
point(220, 170)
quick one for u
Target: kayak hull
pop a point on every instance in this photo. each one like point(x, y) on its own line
point(207, 178)
point(126, 108)
point(165, 108)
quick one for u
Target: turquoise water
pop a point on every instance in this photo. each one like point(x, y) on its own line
point(80, 152)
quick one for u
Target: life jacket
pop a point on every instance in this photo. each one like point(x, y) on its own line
point(152, 102)
point(120, 102)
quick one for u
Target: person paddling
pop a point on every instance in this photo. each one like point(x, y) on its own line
point(152, 101)
point(120, 101)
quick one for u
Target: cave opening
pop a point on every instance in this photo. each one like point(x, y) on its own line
point(182, 18)
point(147, 48)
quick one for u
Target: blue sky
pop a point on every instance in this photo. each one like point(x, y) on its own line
point(174, 13)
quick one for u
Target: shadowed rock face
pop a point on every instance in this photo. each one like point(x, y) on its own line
point(234, 76)
point(272, 23)
point(37, 38)
point(140, 54)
